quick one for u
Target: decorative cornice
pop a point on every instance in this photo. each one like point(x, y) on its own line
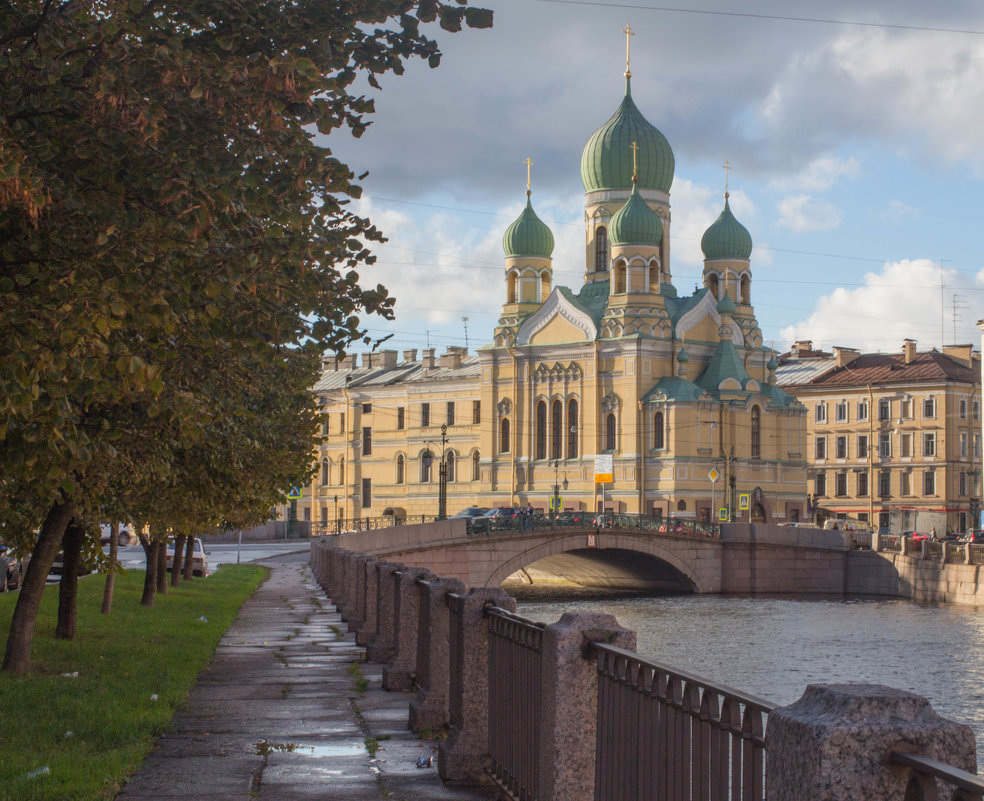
point(556, 305)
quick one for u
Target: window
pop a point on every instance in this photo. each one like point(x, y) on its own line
point(401, 418)
point(884, 409)
point(820, 413)
point(450, 415)
point(425, 415)
point(840, 484)
point(325, 472)
point(572, 429)
point(884, 483)
point(756, 432)
point(341, 471)
point(820, 449)
point(366, 440)
point(426, 466)
point(862, 410)
point(905, 445)
point(658, 442)
point(341, 423)
point(963, 408)
point(449, 465)
point(367, 408)
point(885, 445)
point(820, 483)
point(862, 446)
point(963, 482)
point(401, 469)
point(556, 429)
point(601, 249)
point(366, 493)
point(905, 482)
point(610, 432)
point(841, 447)
point(504, 435)
point(840, 412)
point(929, 407)
point(929, 444)
point(476, 411)
point(976, 407)
point(540, 451)
point(929, 482)
point(862, 484)
point(905, 408)
point(977, 446)
point(325, 430)
point(476, 473)
point(964, 445)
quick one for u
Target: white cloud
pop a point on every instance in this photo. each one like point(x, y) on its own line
point(902, 301)
point(819, 175)
point(897, 211)
point(802, 213)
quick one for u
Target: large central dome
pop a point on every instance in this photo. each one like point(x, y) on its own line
point(606, 162)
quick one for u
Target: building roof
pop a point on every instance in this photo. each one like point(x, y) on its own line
point(635, 223)
point(674, 388)
point(405, 372)
point(797, 372)
point(528, 235)
point(726, 238)
point(890, 368)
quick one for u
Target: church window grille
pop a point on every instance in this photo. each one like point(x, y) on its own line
point(610, 432)
point(618, 278)
point(325, 472)
point(400, 469)
point(572, 429)
point(504, 435)
point(601, 249)
point(743, 296)
point(450, 462)
point(756, 433)
point(475, 474)
point(659, 441)
point(556, 429)
point(541, 431)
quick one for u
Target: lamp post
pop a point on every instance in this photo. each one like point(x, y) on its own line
point(442, 492)
point(556, 490)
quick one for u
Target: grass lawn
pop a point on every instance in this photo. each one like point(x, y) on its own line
point(91, 730)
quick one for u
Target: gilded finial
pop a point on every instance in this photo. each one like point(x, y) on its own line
point(628, 32)
point(635, 167)
point(727, 169)
point(529, 164)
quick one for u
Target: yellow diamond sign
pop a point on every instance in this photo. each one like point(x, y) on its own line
point(713, 474)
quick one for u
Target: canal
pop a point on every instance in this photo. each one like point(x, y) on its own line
point(773, 647)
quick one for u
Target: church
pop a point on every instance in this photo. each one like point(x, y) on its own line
point(620, 395)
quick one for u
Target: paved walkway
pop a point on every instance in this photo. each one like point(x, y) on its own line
point(276, 717)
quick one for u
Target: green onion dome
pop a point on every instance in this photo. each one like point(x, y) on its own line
point(635, 223)
point(528, 235)
point(606, 162)
point(682, 356)
point(773, 365)
point(726, 238)
point(726, 305)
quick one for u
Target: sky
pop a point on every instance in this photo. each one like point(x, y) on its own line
point(853, 133)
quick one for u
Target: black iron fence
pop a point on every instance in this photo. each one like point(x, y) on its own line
point(480, 526)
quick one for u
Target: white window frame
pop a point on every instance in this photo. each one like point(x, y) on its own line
point(820, 448)
point(929, 407)
point(820, 412)
point(840, 411)
point(885, 445)
point(929, 443)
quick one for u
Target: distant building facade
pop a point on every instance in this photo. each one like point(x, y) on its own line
point(892, 438)
point(674, 389)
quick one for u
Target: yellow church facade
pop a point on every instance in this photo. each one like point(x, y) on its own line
point(675, 394)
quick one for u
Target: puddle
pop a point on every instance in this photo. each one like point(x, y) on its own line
point(263, 748)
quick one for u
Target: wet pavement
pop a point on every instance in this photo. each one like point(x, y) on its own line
point(277, 716)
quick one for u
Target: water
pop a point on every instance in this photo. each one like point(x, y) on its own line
point(774, 647)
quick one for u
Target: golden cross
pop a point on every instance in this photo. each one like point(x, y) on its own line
point(635, 151)
point(528, 163)
point(628, 32)
point(727, 169)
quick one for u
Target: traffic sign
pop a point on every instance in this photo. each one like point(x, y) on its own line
point(713, 474)
point(723, 514)
point(743, 502)
point(294, 494)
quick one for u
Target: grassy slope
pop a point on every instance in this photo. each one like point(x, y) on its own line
point(93, 730)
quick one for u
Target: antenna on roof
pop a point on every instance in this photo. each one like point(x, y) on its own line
point(428, 337)
point(465, 321)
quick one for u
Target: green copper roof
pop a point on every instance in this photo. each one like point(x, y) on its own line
point(635, 223)
point(606, 162)
point(673, 388)
point(528, 235)
point(725, 363)
point(726, 238)
point(773, 365)
point(726, 305)
point(682, 356)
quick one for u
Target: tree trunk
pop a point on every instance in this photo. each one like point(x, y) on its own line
point(17, 657)
point(114, 552)
point(162, 568)
point(189, 560)
point(68, 587)
point(179, 545)
point(150, 575)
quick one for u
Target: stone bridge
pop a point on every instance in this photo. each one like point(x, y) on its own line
point(744, 558)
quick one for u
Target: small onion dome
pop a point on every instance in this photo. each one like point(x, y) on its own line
point(635, 223)
point(606, 162)
point(773, 365)
point(726, 238)
point(726, 305)
point(528, 235)
point(682, 356)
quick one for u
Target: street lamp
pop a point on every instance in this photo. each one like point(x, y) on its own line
point(556, 493)
point(442, 493)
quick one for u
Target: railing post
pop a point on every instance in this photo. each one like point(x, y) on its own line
point(348, 589)
point(429, 710)
point(371, 595)
point(358, 584)
point(833, 744)
point(569, 692)
point(380, 648)
point(399, 673)
point(464, 757)
point(924, 550)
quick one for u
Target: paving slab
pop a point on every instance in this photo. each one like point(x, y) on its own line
point(276, 716)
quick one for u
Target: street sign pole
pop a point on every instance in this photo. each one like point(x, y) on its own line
point(713, 475)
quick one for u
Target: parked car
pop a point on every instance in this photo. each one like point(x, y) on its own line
point(502, 511)
point(473, 511)
point(124, 538)
point(199, 557)
point(918, 536)
point(976, 536)
point(10, 569)
point(58, 566)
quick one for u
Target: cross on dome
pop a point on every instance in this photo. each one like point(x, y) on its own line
point(628, 32)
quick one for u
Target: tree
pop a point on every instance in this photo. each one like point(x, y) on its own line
point(164, 202)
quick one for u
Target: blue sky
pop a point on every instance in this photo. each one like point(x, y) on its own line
point(857, 159)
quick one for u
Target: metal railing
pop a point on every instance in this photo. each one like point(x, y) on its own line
point(343, 526)
point(666, 734)
point(976, 553)
point(890, 543)
point(515, 650)
point(480, 526)
point(926, 773)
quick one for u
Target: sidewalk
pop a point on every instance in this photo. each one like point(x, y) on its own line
point(276, 717)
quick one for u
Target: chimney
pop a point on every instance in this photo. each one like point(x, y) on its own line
point(368, 359)
point(845, 356)
point(427, 357)
point(387, 358)
point(409, 355)
point(962, 354)
point(909, 350)
point(452, 359)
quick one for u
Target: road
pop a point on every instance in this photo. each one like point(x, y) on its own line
point(132, 557)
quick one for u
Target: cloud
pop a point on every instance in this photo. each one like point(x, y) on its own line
point(803, 213)
point(897, 211)
point(819, 175)
point(902, 301)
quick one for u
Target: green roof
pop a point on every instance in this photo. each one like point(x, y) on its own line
point(635, 223)
point(724, 364)
point(528, 235)
point(606, 162)
point(673, 388)
point(726, 238)
point(726, 305)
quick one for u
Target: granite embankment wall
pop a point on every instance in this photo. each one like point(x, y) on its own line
point(913, 577)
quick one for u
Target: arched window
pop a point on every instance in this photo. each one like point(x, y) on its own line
point(659, 440)
point(541, 431)
point(744, 290)
point(401, 469)
point(572, 429)
point(610, 432)
point(654, 276)
point(756, 433)
point(601, 249)
point(325, 472)
point(712, 284)
point(681, 506)
point(476, 473)
point(618, 278)
point(512, 288)
point(450, 462)
point(504, 435)
point(426, 463)
point(556, 429)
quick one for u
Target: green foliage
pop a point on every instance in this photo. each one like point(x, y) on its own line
point(122, 660)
